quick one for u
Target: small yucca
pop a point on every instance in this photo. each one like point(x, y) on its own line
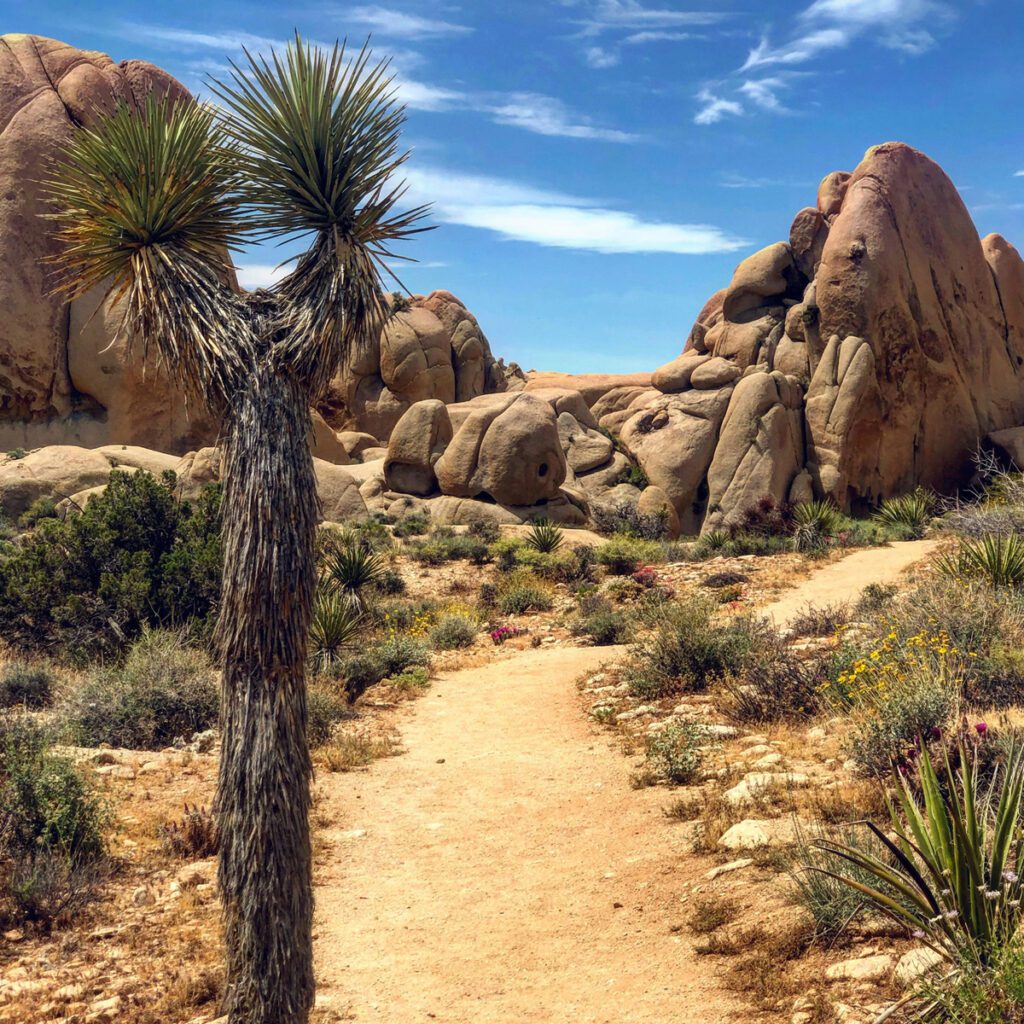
point(909, 513)
point(814, 522)
point(544, 536)
point(996, 560)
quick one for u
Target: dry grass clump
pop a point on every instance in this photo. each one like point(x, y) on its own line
point(357, 747)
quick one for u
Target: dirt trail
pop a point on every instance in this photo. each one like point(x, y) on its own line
point(844, 580)
point(502, 870)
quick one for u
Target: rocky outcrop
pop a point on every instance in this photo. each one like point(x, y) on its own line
point(431, 348)
point(868, 354)
point(417, 442)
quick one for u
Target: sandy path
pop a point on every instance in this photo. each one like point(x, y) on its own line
point(844, 580)
point(502, 871)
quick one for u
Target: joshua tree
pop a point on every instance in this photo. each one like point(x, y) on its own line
point(150, 202)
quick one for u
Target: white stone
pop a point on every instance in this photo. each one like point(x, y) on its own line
point(915, 963)
point(868, 968)
point(733, 865)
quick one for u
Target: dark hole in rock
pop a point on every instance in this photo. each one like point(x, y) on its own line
point(542, 470)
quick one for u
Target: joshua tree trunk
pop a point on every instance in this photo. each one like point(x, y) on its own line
point(270, 516)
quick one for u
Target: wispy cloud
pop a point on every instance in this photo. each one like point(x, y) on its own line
point(764, 93)
point(545, 115)
point(599, 57)
point(715, 108)
point(525, 213)
point(1018, 174)
point(388, 22)
point(906, 25)
point(660, 36)
point(745, 182)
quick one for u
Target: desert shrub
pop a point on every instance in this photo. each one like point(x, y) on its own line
point(336, 624)
point(17, 453)
point(485, 530)
point(821, 881)
point(622, 556)
point(815, 524)
point(633, 474)
point(601, 622)
point(193, 836)
point(136, 556)
point(325, 707)
point(45, 886)
point(544, 536)
point(444, 545)
point(876, 597)
point(776, 686)
point(453, 630)
point(713, 542)
point(398, 652)
point(689, 649)
point(909, 514)
point(27, 685)
point(47, 802)
point(488, 594)
point(389, 582)
point(359, 672)
point(765, 518)
point(724, 579)
point(993, 994)
point(823, 621)
point(371, 533)
point(164, 690)
point(995, 560)
point(413, 525)
point(627, 520)
point(40, 509)
point(520, 591)
point(675, 752)
point(412, 679)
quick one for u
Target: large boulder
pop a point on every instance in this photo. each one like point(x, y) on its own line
point(417, 442)
point(674, 439)
point(903, 269)
point(508, 448)
point(64, 372)
point(55, 472)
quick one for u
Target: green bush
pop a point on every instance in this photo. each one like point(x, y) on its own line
point(675, 753)
point(485, 530)
point(520, 592)
point(413, 525)
point(360, 672)
point(689, 649)
point(27, 685)
point(815, 524)
point(876, 597)
point(446, 546)
point(399, 652)
point(776, 686)
point(602, 623)
point(325, 707)
point(47, 803)
point(165, 690)
point(622, 556)
point(40, 509)
point(453, 630)
point(136, 556)
point(390, 582)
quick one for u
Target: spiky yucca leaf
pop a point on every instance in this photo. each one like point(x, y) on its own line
point(544, 536)
point(147, 200)
point(813, 523)
point(997, 560)
point(336, 624)
point(909, 512)
point(318, 136)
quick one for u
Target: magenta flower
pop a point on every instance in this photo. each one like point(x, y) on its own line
point(981, 728)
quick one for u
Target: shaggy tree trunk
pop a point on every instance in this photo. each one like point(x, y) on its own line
point(270, 515)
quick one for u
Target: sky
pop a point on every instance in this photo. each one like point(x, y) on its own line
point(597, 168)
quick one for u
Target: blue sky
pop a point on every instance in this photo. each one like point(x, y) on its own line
point(598, 167)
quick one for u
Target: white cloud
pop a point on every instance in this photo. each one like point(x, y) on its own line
point(632, 15)
point(1018, 174)
point(834, 24)
point(715, 108)
point(389, 22)
point(599, 57)
point(764, 92)
point(259, 275)
point(660, 36)
point(550, 218)
point(545, 115)
point(423, 96)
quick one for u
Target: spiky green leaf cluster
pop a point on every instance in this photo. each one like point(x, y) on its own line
point(950, 867)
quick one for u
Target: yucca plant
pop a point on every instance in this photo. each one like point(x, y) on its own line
point(350, 568)
point(814, 522)
point(149, 202)
point(949, 869)
point(995, 559)
point(336, 624)
point(544, 536)
point(908, 513)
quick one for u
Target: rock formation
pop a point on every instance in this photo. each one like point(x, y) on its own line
point(68, 377)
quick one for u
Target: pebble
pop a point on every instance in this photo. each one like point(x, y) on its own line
point(868, 968)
